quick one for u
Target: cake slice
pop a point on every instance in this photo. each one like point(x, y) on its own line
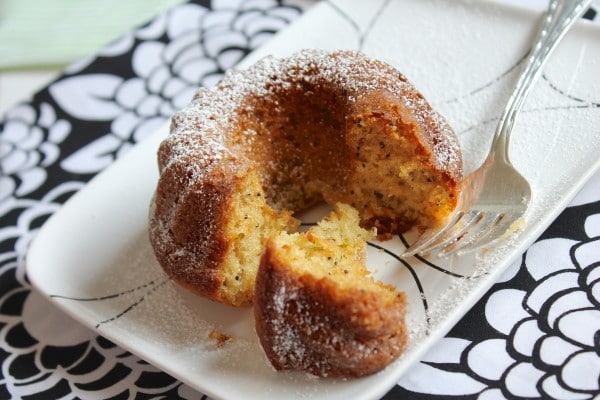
point(318, 309)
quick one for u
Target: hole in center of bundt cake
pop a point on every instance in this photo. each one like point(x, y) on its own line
point(298, 144)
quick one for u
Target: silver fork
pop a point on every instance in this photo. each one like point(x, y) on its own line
point(495, 197)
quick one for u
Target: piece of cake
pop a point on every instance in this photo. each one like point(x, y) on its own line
point(318, 309)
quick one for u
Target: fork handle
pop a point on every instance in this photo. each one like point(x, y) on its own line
point(560, 16)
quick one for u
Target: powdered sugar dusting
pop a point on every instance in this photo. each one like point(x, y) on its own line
point(289, 343)
point(286, 344)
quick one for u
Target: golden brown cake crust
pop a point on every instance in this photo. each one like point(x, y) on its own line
point(315, 126)
point(309, 324)
point(189, 255)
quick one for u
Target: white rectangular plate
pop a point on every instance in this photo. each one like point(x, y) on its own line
point(93, 257)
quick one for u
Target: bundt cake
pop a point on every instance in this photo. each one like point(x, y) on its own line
point(281, 136)
point(317, 308)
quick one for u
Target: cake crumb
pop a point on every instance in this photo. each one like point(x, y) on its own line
point(220, 338)
point(517, 226)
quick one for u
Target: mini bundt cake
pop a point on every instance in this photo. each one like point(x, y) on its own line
point(282, 136)
point(317, 308)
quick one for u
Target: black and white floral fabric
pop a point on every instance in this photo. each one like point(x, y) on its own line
point(536, 334)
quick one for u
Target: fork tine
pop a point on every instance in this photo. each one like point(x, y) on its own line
point(454, 236)
point(456, 232)
point(475, 235)
point(497, 232)
point(458, 224)
point(431, 235)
